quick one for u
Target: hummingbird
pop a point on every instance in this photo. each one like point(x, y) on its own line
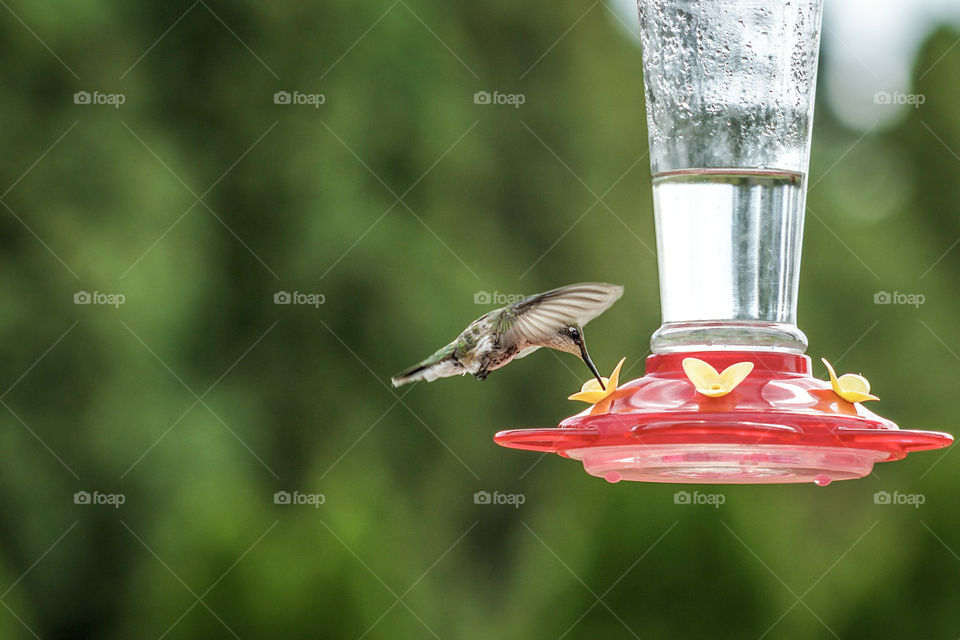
point(553, 319)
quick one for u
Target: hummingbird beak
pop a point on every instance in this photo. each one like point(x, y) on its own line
point(586, 358)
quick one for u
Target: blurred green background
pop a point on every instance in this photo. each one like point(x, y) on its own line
point(399, 200)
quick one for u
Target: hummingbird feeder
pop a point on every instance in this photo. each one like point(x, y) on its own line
point(728, 395)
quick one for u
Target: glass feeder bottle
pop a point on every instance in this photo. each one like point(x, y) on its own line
point(729, 95)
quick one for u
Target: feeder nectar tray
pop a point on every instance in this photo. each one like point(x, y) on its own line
point(779, 425)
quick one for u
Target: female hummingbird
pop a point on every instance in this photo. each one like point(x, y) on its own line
point(553, 319)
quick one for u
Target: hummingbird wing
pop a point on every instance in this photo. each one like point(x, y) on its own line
point(536, 319)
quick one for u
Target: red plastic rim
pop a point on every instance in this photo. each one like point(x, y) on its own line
point(779, 425)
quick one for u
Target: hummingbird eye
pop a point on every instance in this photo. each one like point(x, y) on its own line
point(574, 334)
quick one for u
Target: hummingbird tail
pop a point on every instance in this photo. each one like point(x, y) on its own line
point(442, 364)
point(406, 377)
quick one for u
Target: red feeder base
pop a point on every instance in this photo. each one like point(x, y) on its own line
point(779, 425)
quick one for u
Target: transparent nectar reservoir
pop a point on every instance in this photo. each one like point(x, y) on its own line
point(729, 95)
point(729, 252)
